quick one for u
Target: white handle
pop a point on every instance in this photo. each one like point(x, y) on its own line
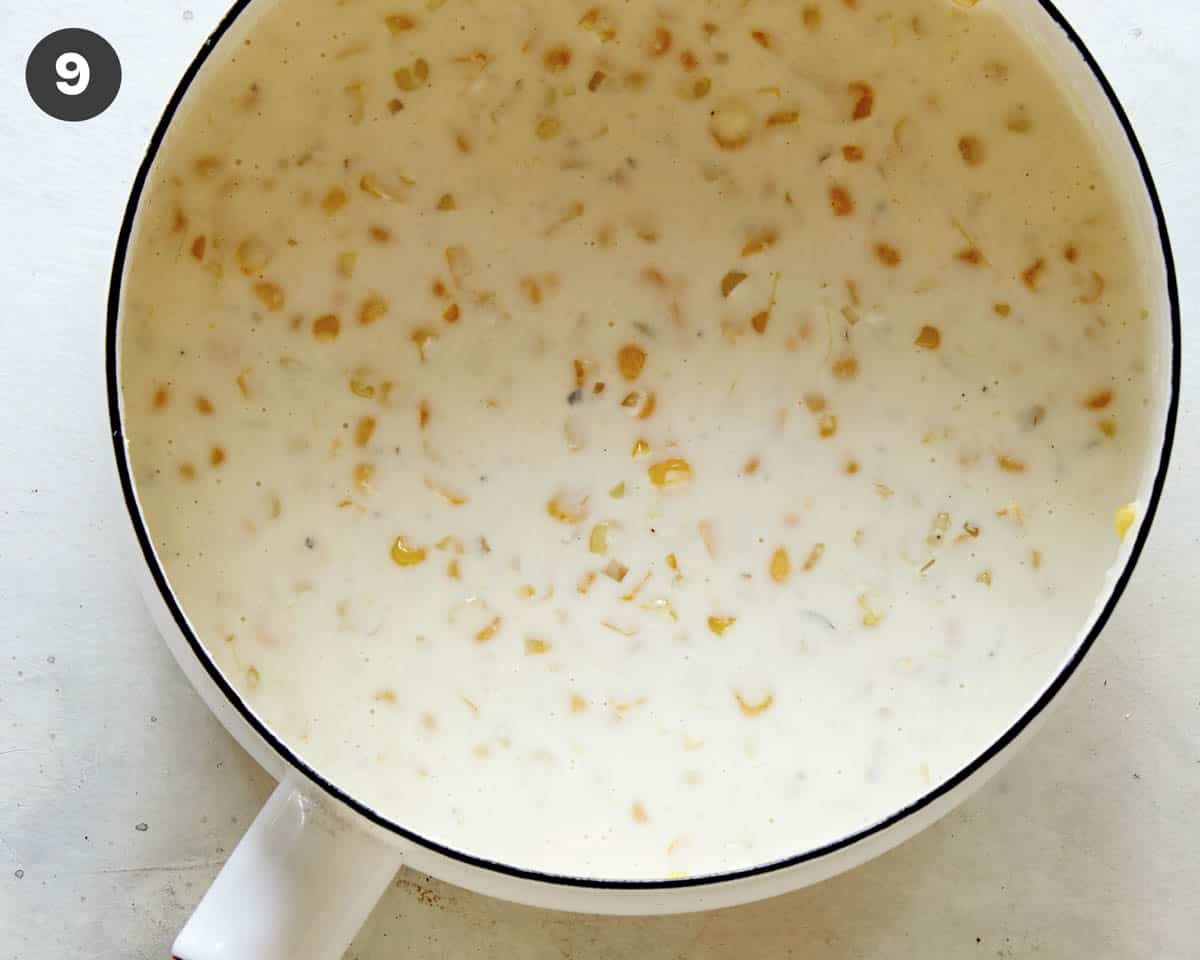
point(299, 885)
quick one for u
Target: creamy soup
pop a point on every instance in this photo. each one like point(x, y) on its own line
point(635, 440)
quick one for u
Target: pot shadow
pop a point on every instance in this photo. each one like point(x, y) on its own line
point(1057, 855)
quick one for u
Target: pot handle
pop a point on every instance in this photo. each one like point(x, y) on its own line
point(298, 886)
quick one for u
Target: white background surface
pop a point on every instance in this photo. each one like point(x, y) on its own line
point(120, 795)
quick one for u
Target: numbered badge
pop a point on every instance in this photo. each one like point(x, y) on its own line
point(73, 74)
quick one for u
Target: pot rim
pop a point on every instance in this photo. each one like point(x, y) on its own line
point(966, 773)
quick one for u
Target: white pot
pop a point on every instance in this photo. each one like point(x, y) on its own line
point(315, 860)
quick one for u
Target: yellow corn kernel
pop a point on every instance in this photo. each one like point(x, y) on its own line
point(399, 22)
point(334, 200)
point(928, 337)
point(869, 618)
point(719, 625)
point(252, 256)
point(420, 337)
point(326, 327)
point(674, 472)
point(781, 565)
point(364, 429)
point(536, 646)
point(486, 634)
point(814, 556)
point(406, 555)
point(270, 295)
point(730, 282)
point(630, 361)
point(564, 510)
point(454, 499)
point(548, 127)
point(371, 310)
point(754, 709)
point(845, 368)
point(1124, 519)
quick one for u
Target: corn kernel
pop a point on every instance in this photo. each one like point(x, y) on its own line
point(557, 59)
point(548, 127)
point(1124, 519)
point(486, 634)
point(845, 367)
point(840, 201)
point(326, 327)
point(759, 242)
point(781, 565)
point(363, 430)
point(719, 625)
point(565, 510)
point(888, 255)
point(928, 337)
point(869, 617)
point(673, 472)
point(615, 570)
point(864, 101)
point(536, 646)
point(406, 555)
point(252, 256)
point(631, 359)
point(970, 148)
point(270, 295)
point(814, 556)
point(754, 709)
point(730, 282)
point(399, 22)
point(334, 200)
point(372, 309)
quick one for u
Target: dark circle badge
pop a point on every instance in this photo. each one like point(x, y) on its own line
point(73, 74)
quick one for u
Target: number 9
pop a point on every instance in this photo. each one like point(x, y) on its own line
point(75, 72)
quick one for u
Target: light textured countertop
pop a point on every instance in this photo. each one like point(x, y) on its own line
point(120, 795)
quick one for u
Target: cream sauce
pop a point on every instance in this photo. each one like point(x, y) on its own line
point(638, 440)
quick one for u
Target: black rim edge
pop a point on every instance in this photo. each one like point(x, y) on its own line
point(941, 790)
